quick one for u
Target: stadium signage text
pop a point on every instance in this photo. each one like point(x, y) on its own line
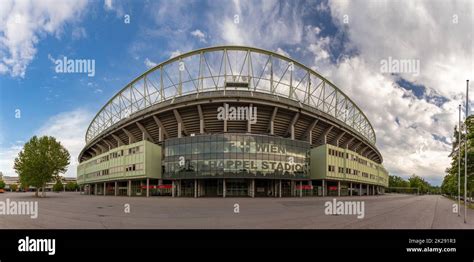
point(239, 113)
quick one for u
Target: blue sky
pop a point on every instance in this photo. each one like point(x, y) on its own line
point(413, 116)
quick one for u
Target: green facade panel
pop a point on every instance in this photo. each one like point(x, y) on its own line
point(135, 161)
point(335, 163)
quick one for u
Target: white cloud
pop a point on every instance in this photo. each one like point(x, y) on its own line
point(78, 33)
point(114, 6)
point(267, 24)
point(7, 158)
point(282, 52)
point(199, 34)
point(68, 127)
point(175, 53)
point(423, 31)
point(24, 23)
point(408, 147)
point(149, 63)
point(108, 4)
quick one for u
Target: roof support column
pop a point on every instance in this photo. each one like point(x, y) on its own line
point(309, 132)
point(346, 144)
point(249, 119)
point(119, 141)
point(161, 129)
point(291, 128)
point(272, 119)
point(131, 138)
point(324, 135)
point(201, 120)
point(339, 137)
point(145, 133)
point(181, 128)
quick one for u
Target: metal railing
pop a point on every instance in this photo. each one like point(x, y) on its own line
point(218, 68)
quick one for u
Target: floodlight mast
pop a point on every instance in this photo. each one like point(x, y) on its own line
point(459, 161)
point(465, 153)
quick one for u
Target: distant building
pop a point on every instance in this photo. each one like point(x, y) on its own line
point(15, 180)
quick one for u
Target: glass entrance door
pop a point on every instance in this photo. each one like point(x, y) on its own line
point(237, 187)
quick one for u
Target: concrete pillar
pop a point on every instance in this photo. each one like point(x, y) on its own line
point(350, 191)
point(95, 189)
point(360, 189)
point(368, 190)
point(373, 190)
point(292, 187)
point(105, 188)
point(338, 188)
point(195, 188)
point(324, 188)
point(301, 188)
point(252, 188)
point(279, 189)
point(116, 188)
point(311, 187)
point(179, 188)
point(173, 189)
point(129, 188)
point(223, 188)
point(147, 187)
point(179, 130)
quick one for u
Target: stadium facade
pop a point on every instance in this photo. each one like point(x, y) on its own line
point(231, 121)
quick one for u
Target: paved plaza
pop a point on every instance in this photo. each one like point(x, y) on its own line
point(76, 211)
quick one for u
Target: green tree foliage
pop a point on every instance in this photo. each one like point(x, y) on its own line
point(450, 181)
point(72, 186)
point(414, 182)
point(420, 183)
point(58, 186)
point(13, 187)
point(2, 184)
point(41, 160)
point(396, 181)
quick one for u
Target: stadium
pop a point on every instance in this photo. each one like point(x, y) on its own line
point(231, 121)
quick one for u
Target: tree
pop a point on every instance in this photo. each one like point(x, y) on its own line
point(41, 160)
point(13, 187)
point(58, 187)
point(396, 181)
point(420, 183)
point(2, 184)
point(450, 181)
point(71, 186)
point(24, 187)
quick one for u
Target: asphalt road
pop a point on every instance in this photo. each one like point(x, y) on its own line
point(73, 211)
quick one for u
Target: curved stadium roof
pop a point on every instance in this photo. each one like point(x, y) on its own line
point(208, 69)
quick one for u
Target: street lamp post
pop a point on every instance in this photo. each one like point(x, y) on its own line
point(459, 162)
point(465, 152)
